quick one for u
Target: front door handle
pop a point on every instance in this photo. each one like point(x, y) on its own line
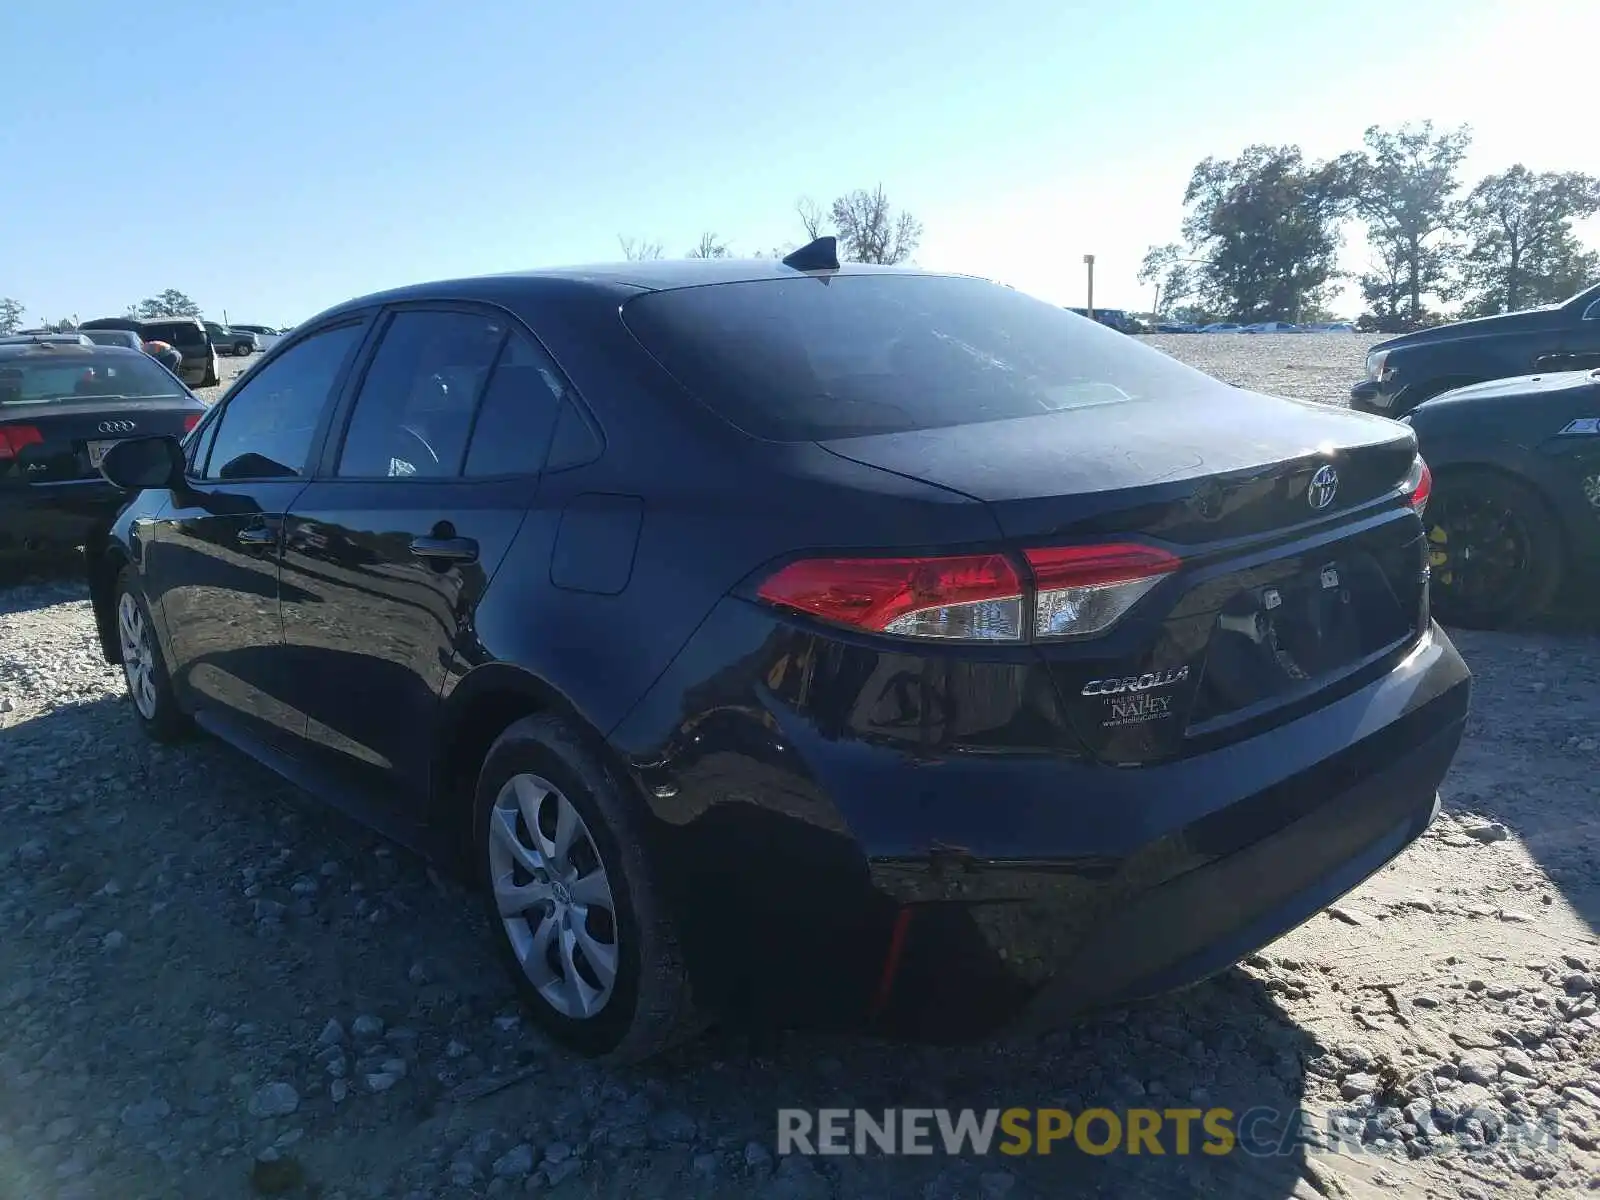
point(257, 535)
point(445, 550)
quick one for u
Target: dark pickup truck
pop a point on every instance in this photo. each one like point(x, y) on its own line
point(1404, 371)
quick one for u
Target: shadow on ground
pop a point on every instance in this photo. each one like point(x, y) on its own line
point(1528, 759)
point(40, 580)
point(161, 960)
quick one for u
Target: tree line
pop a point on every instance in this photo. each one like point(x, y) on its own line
point(1261, 234)
point(869, 229)
point(169, 303)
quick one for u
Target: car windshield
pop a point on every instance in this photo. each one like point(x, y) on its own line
point(816, 358)
point(66, 379)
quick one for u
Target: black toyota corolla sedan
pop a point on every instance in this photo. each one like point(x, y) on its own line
point(830, 644)
point(61, 406)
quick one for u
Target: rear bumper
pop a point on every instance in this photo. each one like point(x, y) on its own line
point(1203, 922)
point(1059, 939)
point(55, 514)
point(942, 895)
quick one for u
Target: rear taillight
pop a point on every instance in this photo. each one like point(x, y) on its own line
point(1418, 485)
point(13, 438)
point(1086, 589)
point(1071, 591)
point(972, 598)
point(190, 421)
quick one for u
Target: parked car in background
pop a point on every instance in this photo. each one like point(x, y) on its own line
point(1177, 327)
point(187, 335)
point(266, 336)
point(1329, 327)
point(128, 339)
point(45, 339)
point(1112, 318)
point(1515, 510)
point(1271, 327)
point(230, 339)
point(1153, 692)
point(61, 406)
point(1222, 327)
point(1407, 370)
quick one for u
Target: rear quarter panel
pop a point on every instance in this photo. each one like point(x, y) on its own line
point(678, 509)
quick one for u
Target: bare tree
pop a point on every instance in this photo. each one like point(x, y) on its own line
point(709, 246)
point(11, 315)
point(638, 250)
point(869, 229)
point(813, 218)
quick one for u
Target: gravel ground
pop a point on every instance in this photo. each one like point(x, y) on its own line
point(211, 987)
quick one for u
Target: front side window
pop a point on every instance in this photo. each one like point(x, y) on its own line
point(267, 428)
point(414, 412)
point(197, 446)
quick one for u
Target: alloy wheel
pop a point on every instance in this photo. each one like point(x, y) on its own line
point(553, 896)
point(1479, 550)
point(138, 655)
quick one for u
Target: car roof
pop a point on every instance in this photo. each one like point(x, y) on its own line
point(619, 279)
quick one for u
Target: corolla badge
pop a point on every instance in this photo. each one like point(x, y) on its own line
point(1324, 486)
point(1136, 683)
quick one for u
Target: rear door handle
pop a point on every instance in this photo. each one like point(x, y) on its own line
point(257, 535)
point(453, 549)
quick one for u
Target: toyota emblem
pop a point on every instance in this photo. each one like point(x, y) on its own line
point(1324, 486)
point(117, 426)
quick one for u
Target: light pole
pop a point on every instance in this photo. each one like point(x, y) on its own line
point(1088, 261)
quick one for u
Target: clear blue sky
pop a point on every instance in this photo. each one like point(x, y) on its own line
point(276, 157)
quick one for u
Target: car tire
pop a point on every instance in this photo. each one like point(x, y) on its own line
point(558, 956)
point(242, 350)
point(1468, 508)
point(144, 668)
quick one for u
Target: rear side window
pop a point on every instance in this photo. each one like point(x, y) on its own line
point(518, 412)
point(267, 426)
point(843, 356)
point(414, 413)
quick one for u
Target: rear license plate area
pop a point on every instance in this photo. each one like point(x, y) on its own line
point(97, 452)
point(1274, 638)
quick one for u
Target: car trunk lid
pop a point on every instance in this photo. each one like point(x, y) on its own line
point(63, 441)
point(1302, 566)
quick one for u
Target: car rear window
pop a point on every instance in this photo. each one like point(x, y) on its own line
point(67, 379)
point(817, 358)
point(177, 333)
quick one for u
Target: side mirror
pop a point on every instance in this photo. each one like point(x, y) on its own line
point(145, 462)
